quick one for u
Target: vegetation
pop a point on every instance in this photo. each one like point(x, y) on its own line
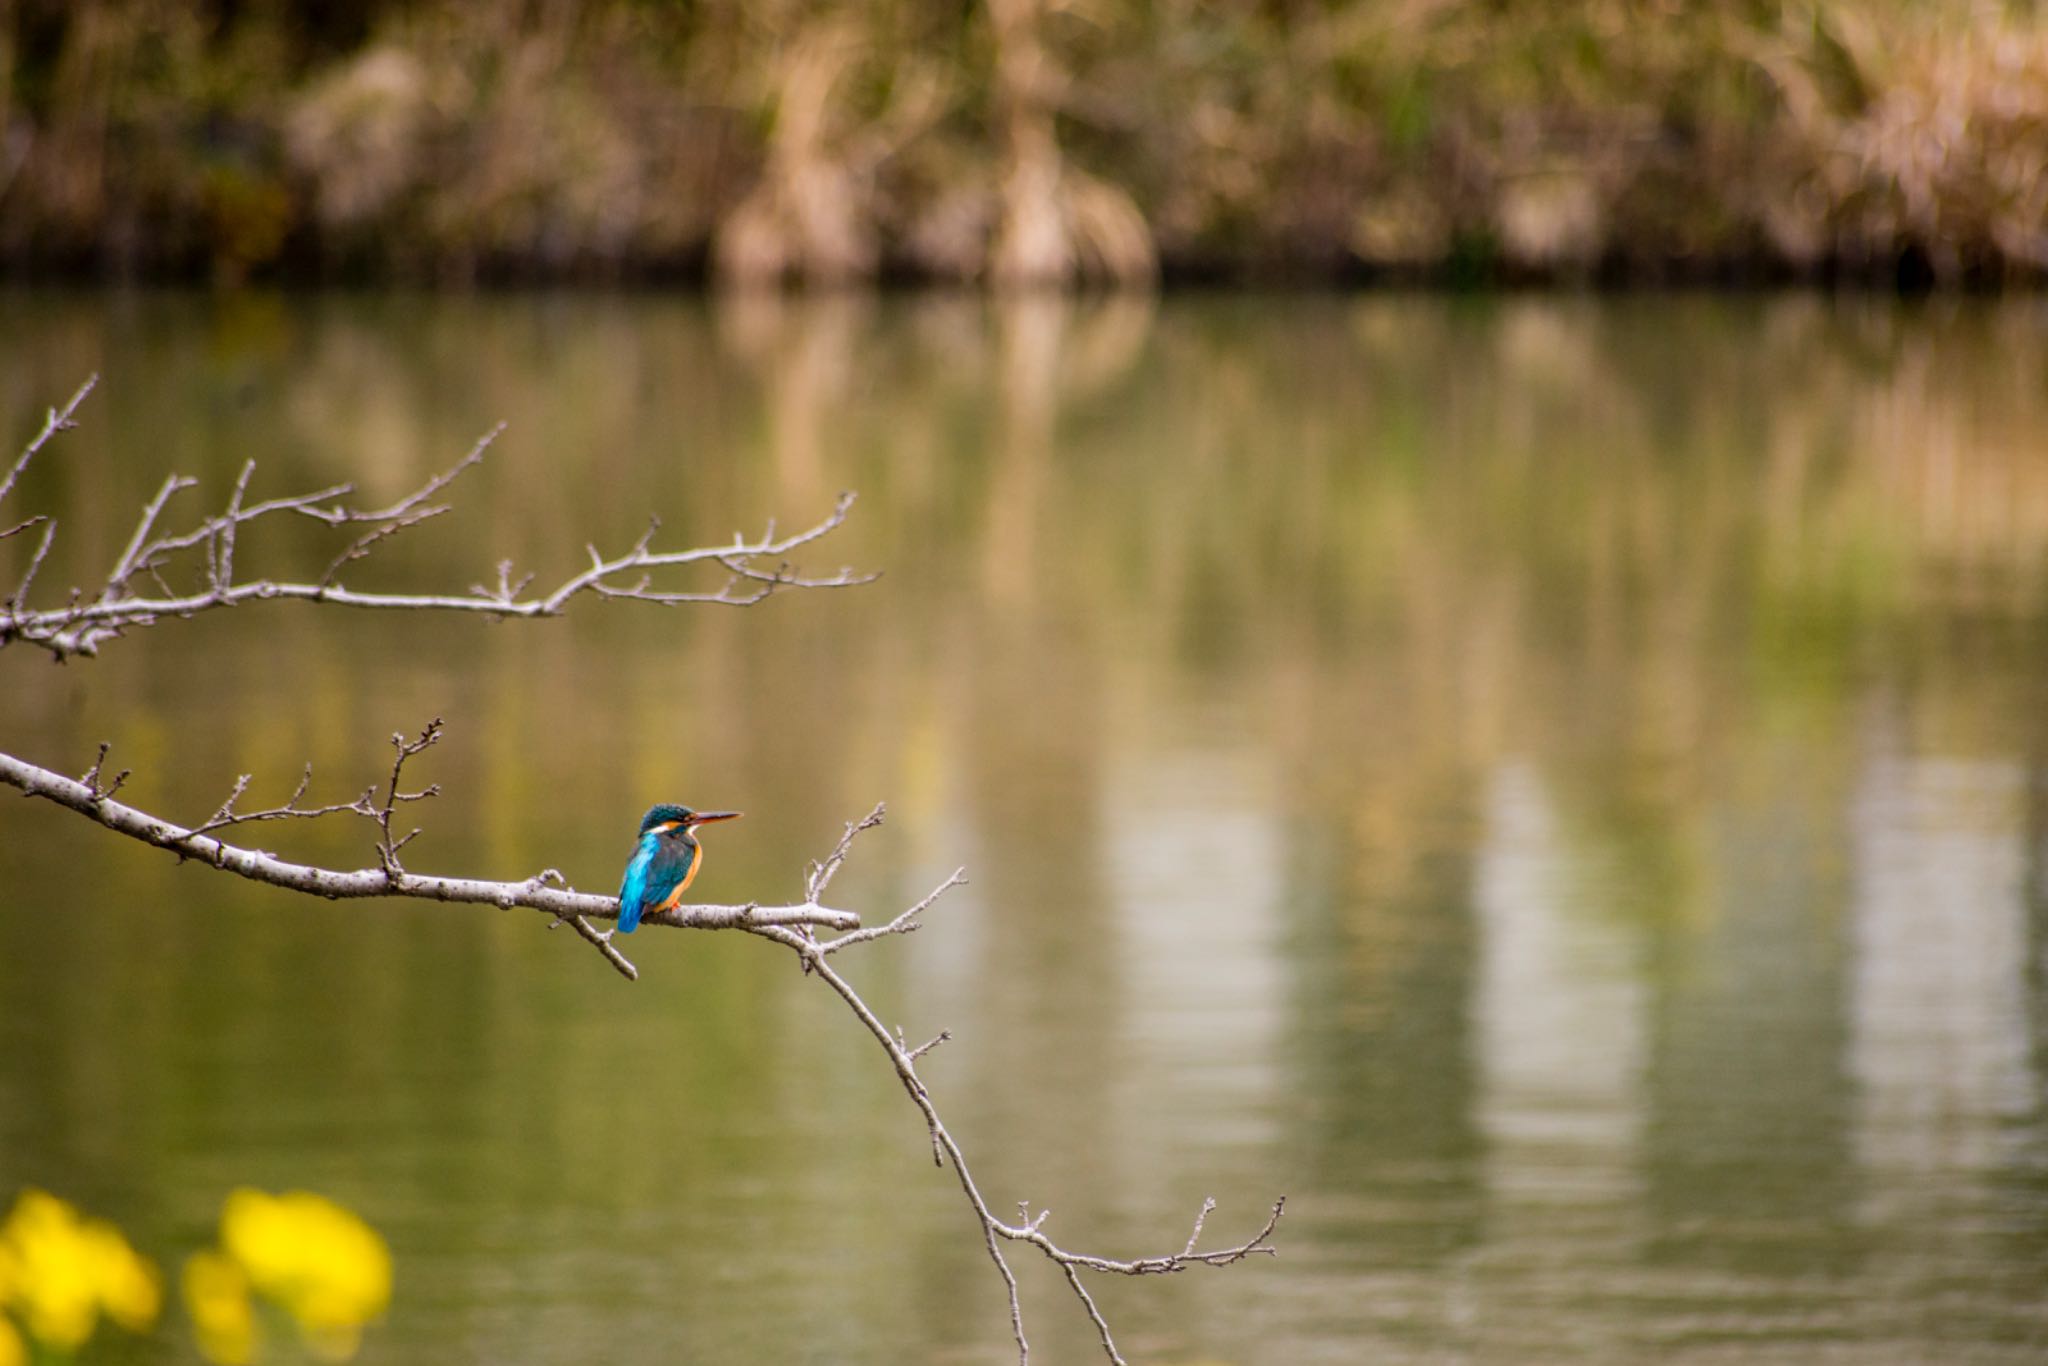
point(1026, 140)
point(319, 1266)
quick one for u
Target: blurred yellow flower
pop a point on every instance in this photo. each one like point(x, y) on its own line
point(324, 1265)
point(60, 1271)
point(12, 1351)
point(130, 1289)
point(223, 1319)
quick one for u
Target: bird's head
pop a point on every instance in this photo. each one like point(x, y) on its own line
point(669, 818)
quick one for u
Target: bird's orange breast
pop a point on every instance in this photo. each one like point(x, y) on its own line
point(675, 898)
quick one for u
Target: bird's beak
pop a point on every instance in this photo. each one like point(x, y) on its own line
point(705, 817)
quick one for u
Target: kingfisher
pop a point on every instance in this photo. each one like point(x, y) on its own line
point(664, 862)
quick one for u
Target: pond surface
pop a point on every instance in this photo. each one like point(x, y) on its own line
point(1557, 787)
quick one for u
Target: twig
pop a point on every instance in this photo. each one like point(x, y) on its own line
point(132, 557)
point(1201, 1218)
point(15, 604)
point(365, 543)
point(818, 876)
point(603, 944)
point(91, 778)
point(928, 1045)
point(221, 545)
point(402, 749)
point(55, 421)
point(401, 509)
point(226, 815)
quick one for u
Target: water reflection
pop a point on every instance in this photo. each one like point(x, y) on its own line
point(1552, 784)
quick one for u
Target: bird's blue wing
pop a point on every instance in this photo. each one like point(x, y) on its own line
point(633, 890)
point(669, 870)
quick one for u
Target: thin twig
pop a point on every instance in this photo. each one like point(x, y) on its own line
point(906, 923)
point(929, 1044)
point(819, 875)
point(55, 421)
point(365, 543)
point(16, 605)
point(226, 815)
point(91, 777)
point(132, 557)
point(603, 943)
point(221, 546)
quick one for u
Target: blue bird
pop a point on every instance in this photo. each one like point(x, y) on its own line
point(664, 862)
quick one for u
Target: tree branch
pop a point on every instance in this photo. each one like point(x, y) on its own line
point(945, 1149)
point(753, 569)
point(544, 892)
point(55, 421)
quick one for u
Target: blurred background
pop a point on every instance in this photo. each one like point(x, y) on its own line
point(1026, 139)
point(1554, 780)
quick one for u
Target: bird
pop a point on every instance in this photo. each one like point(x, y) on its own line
point(664, 862)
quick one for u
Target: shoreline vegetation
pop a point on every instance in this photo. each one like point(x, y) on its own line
point(1026, 142)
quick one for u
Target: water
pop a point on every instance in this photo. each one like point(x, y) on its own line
point(1554, 786)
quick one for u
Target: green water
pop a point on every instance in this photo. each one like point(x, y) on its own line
point(1556, 787)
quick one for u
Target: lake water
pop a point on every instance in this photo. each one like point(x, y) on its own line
point(1558, 787)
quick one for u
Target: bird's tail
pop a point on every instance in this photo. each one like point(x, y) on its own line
point(629, 915)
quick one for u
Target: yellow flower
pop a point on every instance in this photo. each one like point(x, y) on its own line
point(223, 1319)
point(13, 1352)
point(318, 1260)
point(60, 1271)
point(129, 1288)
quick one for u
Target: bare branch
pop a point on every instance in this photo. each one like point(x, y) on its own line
point(365, 543)
point(1088, 1303)
point(221, 546)
point(404, 507)
point(28, 578)
point(402, 749)
point(57, 420)
point(506, 591)
point(91, 778)
point(132, 558)
point(928, 1045)
point(945, 1149)
point(819, 876)
point(89, 799)
point(227, 816)
point(603, 943)
point(642, 557)
point(1201, 1218)
point(754, 569)
point(905, 923)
